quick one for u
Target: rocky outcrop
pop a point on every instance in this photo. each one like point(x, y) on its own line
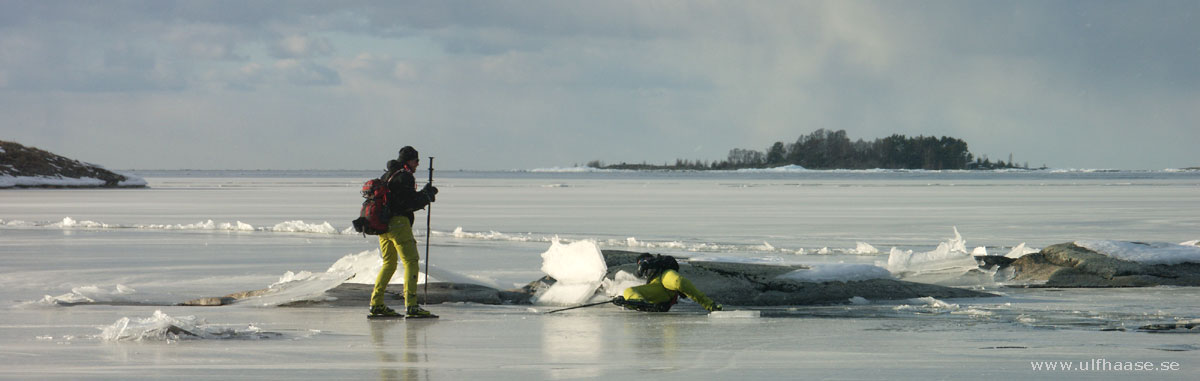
point(26, 167)
point(1068, 265)
point(740, 284)
point(748, 284)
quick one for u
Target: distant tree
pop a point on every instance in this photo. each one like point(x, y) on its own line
point(826, 149)
point(777, 154)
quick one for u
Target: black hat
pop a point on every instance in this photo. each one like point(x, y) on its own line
point(408, 153)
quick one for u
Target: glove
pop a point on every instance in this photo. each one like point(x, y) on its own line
point(430, 191)
point(429, 188)
point(620, 301)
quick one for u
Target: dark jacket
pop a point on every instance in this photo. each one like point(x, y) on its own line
point(403, 197)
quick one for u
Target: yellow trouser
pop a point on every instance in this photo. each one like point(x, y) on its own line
point(664, 287)
point(398, 240)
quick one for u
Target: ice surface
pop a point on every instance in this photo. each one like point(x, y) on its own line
point(837, 272)
point(1150, 253)
point(578, 268)
point(734, 314)
point(996, 337)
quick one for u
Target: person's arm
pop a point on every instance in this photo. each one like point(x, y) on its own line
point(404, 197)
point(675, 282)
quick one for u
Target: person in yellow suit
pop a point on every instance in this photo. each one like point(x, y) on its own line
point(664, 288)
point(403, 198)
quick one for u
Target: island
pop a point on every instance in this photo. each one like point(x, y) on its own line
point(825, 149)
point(29, 167)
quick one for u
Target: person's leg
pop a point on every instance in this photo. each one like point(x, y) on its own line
point(388, 250)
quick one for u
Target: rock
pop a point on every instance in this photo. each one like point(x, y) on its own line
point(742, 284)
point(209, 302)
point(25, 167)
point(1068, 265)
point(748, 284)
point(357, 294)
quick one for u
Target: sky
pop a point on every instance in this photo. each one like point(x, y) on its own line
point(495, 85)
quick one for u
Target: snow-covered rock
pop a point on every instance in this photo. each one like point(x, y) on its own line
point(25, 167)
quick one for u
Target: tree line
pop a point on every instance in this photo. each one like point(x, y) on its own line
point(825, 149)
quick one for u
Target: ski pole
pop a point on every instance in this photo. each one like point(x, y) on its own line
point(581, 306)
point(428, 229)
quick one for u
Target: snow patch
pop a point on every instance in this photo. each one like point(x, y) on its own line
point(1020, 251)
point(1150, 253)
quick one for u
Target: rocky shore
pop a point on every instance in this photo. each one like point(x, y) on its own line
point(28, 167)
point(1068, 265)
point(738, 284)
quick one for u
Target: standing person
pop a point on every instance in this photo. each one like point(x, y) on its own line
point(664, 287)
point(403, 198)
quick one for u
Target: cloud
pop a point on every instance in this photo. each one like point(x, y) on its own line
point(296, 46)
point(544, 83)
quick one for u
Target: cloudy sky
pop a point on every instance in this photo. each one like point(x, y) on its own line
point(532, 84)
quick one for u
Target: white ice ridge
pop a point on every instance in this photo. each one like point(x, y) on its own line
point(577, 267)
point(92, 294)
point(951, 255)
point(360, 268)
point(1150, 253)
point(162, 327)
point(296, 226)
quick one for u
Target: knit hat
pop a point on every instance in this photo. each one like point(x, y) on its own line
point(408, 153)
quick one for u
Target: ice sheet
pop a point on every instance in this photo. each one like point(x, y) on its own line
point(1151, 253)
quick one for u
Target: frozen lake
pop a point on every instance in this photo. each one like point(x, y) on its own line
point(196, 234)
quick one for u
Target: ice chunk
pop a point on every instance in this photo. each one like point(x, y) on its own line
point(162, 327)
point(928, 305)
point(578, 268)
point(1020, 251)
point(950, 256)
point(864, 248)
point(621, 281)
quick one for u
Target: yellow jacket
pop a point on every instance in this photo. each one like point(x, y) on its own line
point(665, 288)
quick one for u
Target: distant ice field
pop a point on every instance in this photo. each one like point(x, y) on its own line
point(209, 233)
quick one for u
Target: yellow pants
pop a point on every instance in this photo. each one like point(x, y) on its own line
point(397, 242)
point(663, 288)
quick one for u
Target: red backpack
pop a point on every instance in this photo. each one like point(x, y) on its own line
point(374, 215)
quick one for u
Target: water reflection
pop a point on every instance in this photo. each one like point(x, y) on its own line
point(575, 344)
point(413, 359)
